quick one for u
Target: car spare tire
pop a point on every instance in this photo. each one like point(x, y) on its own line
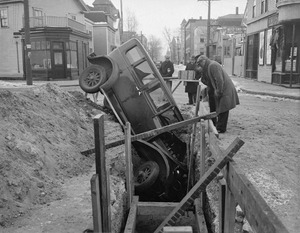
point(92, 78)
point(146, 176)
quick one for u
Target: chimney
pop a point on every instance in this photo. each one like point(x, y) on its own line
point(200, 17)
point(237, 10)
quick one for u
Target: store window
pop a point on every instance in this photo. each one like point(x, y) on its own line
point(40, 56)
point(3, 17)
point(72, 58)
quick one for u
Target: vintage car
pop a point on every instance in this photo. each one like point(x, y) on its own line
point(136, 92)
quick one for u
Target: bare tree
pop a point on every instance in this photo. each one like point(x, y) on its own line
point(168, 36)
point(154, 45)
point(131, 23)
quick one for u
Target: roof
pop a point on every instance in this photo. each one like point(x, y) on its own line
point(96, 16)
point(231, 20)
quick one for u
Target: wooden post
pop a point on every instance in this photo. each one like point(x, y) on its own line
point(131, 219)
point(222, 193)
point(96, 204)
point(230, 210)
point(129, 166)
point(104, 185)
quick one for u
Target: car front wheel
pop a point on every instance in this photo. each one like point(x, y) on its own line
point(146, 176)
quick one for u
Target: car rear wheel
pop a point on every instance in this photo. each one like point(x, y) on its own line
point(92, 78)
point(146, 176)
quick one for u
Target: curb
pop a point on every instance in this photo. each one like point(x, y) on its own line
point(271, 94)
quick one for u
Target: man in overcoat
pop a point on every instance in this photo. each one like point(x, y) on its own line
point(167, 70)
point(222, 87)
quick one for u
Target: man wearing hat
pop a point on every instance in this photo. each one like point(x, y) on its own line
point(191, 87)
point(166, 70)
point(220, 88)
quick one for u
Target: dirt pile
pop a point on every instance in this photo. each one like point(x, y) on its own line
point(43, 130)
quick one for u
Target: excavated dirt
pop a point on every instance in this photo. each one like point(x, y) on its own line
point(43, 130)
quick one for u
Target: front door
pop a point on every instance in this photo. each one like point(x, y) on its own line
point(58, 61)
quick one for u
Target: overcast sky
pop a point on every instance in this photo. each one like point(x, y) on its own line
point(154, 15)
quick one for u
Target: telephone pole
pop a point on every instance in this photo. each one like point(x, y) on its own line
point(208, 25)
point(28, 70)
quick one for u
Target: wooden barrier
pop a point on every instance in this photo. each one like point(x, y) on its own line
point(237, 189)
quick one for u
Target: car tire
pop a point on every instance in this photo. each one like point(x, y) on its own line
point(92, 78)
point(146, 176)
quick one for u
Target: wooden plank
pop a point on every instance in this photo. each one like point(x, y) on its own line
point(191, 158)
point(202, 156)
point(259, 215)
point(155, 132)
point(104, 185)
point(188, 200)
point(178, 229)
point(222, 194)
point(199, 217)
point(230, 211)
point(156, 208)
point(96, 204)
point(129, 166)
point(131, 219)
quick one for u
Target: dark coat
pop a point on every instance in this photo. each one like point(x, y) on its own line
point(164, 69)
point(191, 87)
point(224, 90)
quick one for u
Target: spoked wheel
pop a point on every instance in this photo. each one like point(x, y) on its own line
point(92, 78)
point(146, 176)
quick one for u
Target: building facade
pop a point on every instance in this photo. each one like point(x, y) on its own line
point(105, 21)
point(58, 35)
point(273, 38)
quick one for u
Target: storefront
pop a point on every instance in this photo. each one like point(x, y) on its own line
point(58, 53)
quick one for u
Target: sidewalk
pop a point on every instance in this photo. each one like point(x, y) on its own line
point(246, 85)
point(259, 88)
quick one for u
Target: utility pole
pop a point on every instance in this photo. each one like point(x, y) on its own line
point(208, 25)
point(28, 70)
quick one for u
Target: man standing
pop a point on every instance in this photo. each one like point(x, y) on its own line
point(166, 70)
point(224, 93)
point(191, 87)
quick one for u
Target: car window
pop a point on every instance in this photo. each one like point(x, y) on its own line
point(134, 55)
point(144, 72)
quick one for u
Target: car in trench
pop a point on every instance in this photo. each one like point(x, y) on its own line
point(136, 92)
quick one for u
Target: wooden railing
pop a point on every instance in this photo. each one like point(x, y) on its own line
point(54, 21)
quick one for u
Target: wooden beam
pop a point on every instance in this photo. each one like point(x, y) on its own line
point(131, 219)
point(155, 132)
point(259, 215)
point(199, 217)
point(156, 208)
point(188, 200)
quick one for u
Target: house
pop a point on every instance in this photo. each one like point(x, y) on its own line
point(58, 35)
point(273, 40)
point(104, 18)
point(195, 37)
